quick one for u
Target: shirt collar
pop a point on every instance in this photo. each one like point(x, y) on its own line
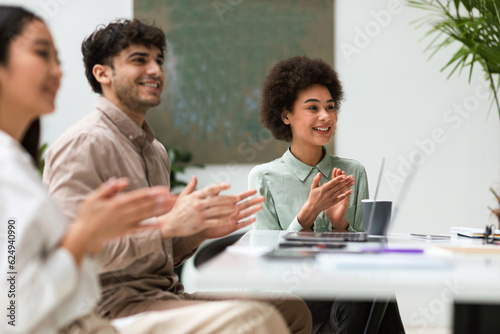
point(302, 170)
point(125, 124)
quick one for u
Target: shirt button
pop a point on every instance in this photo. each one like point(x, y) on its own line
point(130, 137)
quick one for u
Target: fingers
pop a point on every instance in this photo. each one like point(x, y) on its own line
point(215, 201)
point(336, 173)
point(170, 202)
point(335, 193)
point(338, 182)
point(142, 208)
point(343, 185)
point(190, 187)
point(217, 194)
point(343, 196)
point(130, 200)
point(244, 223)
point(248, 212)
point(218, 212)
point(164, 205)
point(338, 195)
point(232, 225)
point(338, 188)
point(251, 202)
point(218, 206)
point(241, 196)
point(212, 190)
point(110, 188)
point(315, 183)
point(143, 194)
point(216, 222)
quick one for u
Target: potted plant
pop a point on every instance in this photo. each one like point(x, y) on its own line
point(496, 211)
point(475, 25)
point(41, 158)
point(179, 160)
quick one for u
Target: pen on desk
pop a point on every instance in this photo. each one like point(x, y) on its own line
point(310, 245)
point(403, 250)
point(430, 236)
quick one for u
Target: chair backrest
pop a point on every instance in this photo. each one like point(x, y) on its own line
point(214, 248)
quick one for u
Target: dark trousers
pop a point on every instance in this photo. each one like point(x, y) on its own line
point(340, 317)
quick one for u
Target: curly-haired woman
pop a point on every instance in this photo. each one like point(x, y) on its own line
point(307, 188)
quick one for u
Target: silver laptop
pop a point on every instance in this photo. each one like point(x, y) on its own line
point(326, 237)
point(333, 236)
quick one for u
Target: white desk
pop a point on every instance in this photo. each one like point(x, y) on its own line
point(449, 276)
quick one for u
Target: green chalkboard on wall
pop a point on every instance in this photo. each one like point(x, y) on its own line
point(218, 53)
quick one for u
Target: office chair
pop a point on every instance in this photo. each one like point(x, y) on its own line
point(214, 248)
point(375, 318)
point(476, 318)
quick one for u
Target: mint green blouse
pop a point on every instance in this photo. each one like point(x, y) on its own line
point(286, 183)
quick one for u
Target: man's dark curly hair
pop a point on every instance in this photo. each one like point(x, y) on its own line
point(282, 84)
point(108, 41)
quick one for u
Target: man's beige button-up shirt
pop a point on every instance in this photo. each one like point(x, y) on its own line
point(107, 143)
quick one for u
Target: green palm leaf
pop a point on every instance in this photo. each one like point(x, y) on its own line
point(475, 24)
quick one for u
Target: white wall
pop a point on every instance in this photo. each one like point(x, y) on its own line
point(70, 21)
point(395, 98)
point(400, 106)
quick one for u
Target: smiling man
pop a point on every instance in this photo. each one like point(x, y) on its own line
point(123, 62)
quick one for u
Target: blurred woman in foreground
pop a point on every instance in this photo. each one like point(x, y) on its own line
point(53, 281)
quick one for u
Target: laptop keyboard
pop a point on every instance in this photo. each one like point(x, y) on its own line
point(327, 236)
